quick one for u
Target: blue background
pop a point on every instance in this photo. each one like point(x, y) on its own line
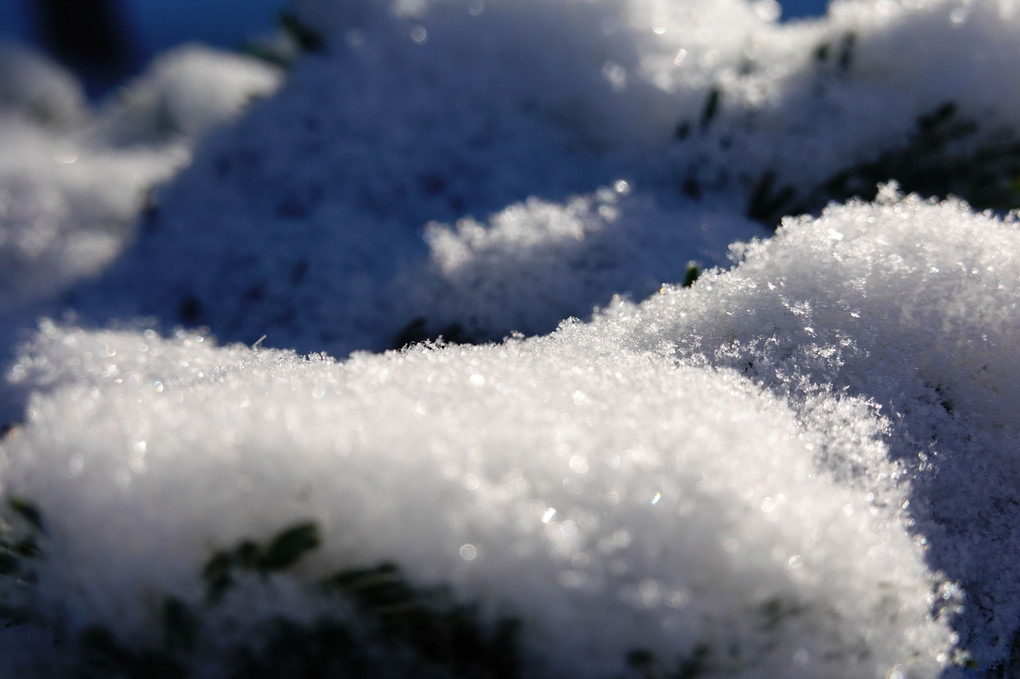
point(793, 9)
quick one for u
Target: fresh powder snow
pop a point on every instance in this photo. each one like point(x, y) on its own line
point(395, 359)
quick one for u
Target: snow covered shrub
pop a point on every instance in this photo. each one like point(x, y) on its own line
point(396, 123)
point(33, 88)
point(912, 306)
point(646, 510)
point(944, 156)
point(74, 181)
point(458, 113)
point(185, 93)
point(536, 263)
point(766, 469)
point(859, 101)
point(373, 623)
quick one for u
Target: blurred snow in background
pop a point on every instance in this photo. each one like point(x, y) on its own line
point(157, 26)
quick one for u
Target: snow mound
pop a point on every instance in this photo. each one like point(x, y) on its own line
point(66, 207)
point(185, 93)
point(824, 110)
point(912, 306)
point(771, 471)
point(536, 263)
point(461, 111)
point(36, 89)
point(73, 182)
point(643, 508)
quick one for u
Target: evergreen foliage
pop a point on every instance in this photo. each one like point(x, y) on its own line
point(946, 155)
point(381, 624)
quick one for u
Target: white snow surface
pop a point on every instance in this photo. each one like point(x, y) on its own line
point(490, 112)
point(73, 181)
point(798, 432)
point(804, 465)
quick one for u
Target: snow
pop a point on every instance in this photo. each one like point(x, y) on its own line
point(570, 98)
point(802, 465)
point(65, 210)
point(493, 279)
point(911, 307)
point(187, 92)
point(73, 181)
point(642, 505)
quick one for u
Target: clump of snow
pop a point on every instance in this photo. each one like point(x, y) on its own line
point(185, 93)
point(538, 262)
point(396, 124)
point(815, 98)
point(945, 48)
point(451, 111)
point(913, 307)
point(74, 181)
point(777, 464)
point(643, 506)
point(66, 207)
point(35, 89)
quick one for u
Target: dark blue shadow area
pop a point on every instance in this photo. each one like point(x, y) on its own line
point(294, 222)
point(799, 9)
